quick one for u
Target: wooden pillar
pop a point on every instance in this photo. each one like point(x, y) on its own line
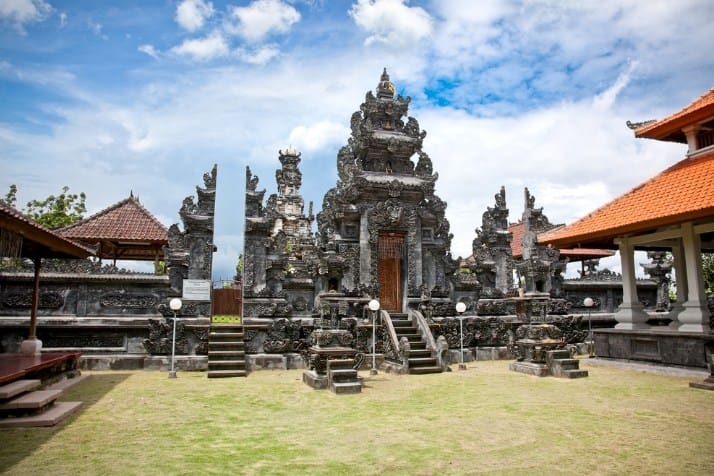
point(32, 345)
point(37, 261)
point(631, 314)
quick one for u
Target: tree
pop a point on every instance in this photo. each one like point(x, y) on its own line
point(10, 196)
point(239, 268)
point(55, 211)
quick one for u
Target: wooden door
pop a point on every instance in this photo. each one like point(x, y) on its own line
point(390, 252)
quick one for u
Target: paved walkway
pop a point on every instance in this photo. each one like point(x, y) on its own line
point(647, 367)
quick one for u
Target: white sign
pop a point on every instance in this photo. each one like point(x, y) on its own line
point(197, 289)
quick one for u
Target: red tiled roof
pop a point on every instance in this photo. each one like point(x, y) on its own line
point(670, 127)
point(681, 193)
point(127, 220)
point(37, 238)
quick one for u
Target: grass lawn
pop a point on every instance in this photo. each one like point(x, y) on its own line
point(482, 420)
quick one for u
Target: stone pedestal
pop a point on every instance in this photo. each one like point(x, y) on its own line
point(31, 346)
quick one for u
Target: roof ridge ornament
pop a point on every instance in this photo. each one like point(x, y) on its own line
point(636, 125)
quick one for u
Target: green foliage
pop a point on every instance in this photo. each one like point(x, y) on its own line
point(239, 265)
point(160, 267)
point(57, 211)
point(10, 196)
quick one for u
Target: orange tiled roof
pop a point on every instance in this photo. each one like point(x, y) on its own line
point(127, 220)
point(681, 193)
point(577, 254)
point(670, 127)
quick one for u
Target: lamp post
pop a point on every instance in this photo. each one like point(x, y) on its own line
point(175, 304)
point(374, 307)
point(460, 308)
point(589, 303)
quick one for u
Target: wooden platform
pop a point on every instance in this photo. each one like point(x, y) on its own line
point(16, 366)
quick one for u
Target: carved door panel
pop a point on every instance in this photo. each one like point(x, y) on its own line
point(390, 279)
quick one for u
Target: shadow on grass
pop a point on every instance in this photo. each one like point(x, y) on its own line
point(20, 443)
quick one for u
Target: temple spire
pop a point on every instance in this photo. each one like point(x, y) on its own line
point(385, 89)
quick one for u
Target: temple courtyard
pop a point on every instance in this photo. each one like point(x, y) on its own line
point(485, 419)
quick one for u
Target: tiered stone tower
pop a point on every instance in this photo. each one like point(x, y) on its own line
point(279, 246)
point(383, 221)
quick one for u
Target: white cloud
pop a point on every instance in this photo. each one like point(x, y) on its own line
point(63, 19)
point(573, 156)
point(319, 135)
point(203, 49)
point(391, 22)
point(149, 50)
point(22, 12)
point(261, 18)
point(258, 56)
point(192, 14)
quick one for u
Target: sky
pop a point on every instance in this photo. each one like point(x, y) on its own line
point(145, 96)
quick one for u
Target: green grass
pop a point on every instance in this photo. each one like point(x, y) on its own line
point(225, 319)
point(485, 420)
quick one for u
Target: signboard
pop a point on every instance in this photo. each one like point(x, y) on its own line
point(197, 289)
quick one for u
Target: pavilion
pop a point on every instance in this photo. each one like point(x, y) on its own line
point(21, 237)
point(125, 231)
point(672, 211)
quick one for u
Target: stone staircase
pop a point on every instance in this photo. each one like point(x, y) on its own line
point(226, 351)
point(342, 376)
point(562, 365)
point(23, 404)
point(420, 358)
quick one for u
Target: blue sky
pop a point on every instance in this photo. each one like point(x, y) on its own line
point(108, 97)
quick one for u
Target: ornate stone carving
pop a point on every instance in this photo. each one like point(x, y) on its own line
point(161, 337)
point(135, 301)
point(23, 300)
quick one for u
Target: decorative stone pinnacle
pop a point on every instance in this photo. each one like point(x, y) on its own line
point(385, 89)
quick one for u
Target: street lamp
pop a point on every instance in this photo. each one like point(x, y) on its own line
point(374, 307)
point(175, 304)
point(460, 308)
point(589, 303)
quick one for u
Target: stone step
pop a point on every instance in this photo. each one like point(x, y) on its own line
point(227, 328)
point(572, 374)
point(51, 416)
point(67, 383)
point(559, 354)
point(417, 346)
point(32, 400)
point(226, 364)
point(434, 369)
point(17, 387)
point(411, 337)
point(421, 361)
point(226, 373)
point(419, 352)
point(401, 324)
point(226, 335)
point(343, 375)
point(224, 354)
point(335, 364)
point(342, 388)
point(226, 345)
point(567, 364)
